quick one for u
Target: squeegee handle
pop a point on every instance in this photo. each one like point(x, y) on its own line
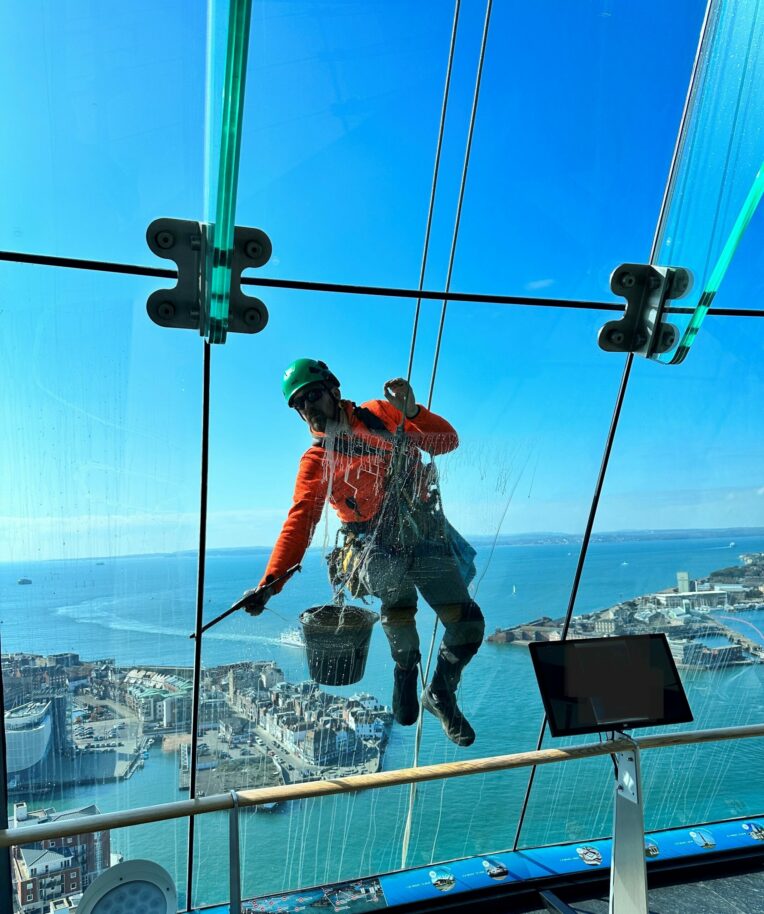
point(244, 600)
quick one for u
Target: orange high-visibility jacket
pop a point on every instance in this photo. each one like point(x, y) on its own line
point(352, 478)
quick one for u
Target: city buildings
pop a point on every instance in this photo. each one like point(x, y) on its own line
point(56, 871)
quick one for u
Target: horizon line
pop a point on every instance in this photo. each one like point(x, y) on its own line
point(653, 532)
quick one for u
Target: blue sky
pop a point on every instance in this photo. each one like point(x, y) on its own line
point(576, 126)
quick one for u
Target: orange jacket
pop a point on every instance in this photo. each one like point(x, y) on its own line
point(353, 482)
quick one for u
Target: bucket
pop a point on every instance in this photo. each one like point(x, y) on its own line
point(337, 642)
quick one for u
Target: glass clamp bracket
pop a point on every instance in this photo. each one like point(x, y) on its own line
point(647, 289)
point(187, 305)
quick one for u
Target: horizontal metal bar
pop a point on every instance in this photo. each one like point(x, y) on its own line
point(433, 295)
point(182, 808)
point(76, 263)
point(298, 285)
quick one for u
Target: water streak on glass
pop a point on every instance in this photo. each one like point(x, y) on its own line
point(717, 184)
point(220, 248)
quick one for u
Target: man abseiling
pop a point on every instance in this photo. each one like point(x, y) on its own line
point(367, 462)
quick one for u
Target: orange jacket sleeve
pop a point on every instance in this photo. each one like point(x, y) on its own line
point(427, 430)
point(310, 490)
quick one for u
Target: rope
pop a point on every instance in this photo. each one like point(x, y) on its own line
point(580, 564)
point(394, 491)
point(462, 186)
point(433, 188)
point(424, 673)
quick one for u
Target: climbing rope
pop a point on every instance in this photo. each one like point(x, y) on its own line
point(425, 671)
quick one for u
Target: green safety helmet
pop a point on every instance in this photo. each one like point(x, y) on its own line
point(303, 372)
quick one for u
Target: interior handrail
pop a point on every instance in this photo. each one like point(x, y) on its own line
point(180, 809)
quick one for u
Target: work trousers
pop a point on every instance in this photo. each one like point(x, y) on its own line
point(395, 576)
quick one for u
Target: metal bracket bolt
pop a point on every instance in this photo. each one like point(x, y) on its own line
point(184, 306)
point(647, 289)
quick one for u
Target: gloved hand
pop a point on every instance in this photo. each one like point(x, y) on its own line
point(256, 599)
point(398, 392)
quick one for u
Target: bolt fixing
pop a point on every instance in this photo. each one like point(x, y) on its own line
point(166, 310)
point(164, 240)
point(253, 250)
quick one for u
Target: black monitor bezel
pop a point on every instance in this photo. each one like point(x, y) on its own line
point(682, 718)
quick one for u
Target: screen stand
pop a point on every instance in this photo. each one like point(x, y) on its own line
point(628, 874)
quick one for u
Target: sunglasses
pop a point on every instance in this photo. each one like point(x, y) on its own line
point(311, 396)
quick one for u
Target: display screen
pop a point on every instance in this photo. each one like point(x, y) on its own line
point(591, 685)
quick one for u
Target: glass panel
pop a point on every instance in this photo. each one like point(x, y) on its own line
point(112, 125)
point(252, 469)
point(560, 189)
point(99, 500)
point(340, 129)
point(719, 182)
point(341, 125)
point(505, 487)
point(682, 512)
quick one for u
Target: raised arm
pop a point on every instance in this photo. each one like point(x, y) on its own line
point(310, 490)
point(427, 430)
point(431, 432)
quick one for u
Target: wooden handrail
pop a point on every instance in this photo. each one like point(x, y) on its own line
point(182, 808)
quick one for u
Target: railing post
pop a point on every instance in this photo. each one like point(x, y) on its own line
point(628, 873)
point(234, 860)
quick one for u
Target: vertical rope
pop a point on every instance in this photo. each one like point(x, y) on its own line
point(434, 186)
point(425, 672)
point(462, 185)
point(580, 563)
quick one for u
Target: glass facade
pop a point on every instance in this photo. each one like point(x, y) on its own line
point(107, 424)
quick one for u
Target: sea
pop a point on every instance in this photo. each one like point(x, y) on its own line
point(139, 610)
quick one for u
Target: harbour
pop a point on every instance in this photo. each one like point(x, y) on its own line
point(363, 833)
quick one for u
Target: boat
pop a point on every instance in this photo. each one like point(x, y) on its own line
point(292, 637)
point(24, 581)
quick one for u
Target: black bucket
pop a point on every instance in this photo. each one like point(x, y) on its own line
point(337, 642)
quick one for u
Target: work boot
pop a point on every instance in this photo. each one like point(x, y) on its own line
point(405, 695)
point(442, 703)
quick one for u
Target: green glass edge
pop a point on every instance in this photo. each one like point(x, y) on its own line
point(744, 217)
point(221, 232)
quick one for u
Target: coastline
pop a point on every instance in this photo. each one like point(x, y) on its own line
point(687, 614)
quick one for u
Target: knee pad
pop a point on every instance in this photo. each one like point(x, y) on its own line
point(464, 635)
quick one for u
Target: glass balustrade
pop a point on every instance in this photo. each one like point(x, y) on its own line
point(99, 553)
point(338, 131)
point(683, 495)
